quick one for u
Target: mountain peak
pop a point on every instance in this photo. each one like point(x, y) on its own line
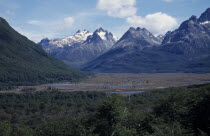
point(45, 40)
point(100, 30)
point(101, 33)
point(138, 28)
point(205, 16)
point(193, 18)
point(139, 37)
point(83, 31)
point(131, 29)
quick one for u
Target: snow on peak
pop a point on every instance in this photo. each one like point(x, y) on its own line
point(115, 38)
point(102, 34)
point(204, 23)
point(81, 36)
point(78, 37)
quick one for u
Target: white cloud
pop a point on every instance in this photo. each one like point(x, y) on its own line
point(168, 0)
point(50, 28)
point(34, 22)
point(118, 8)
point(67, 24)
point(157, 23)
point(64, 24)
point(69, 20)
point(9, 12)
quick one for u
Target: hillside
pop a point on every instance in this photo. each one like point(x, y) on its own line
point(25, 63)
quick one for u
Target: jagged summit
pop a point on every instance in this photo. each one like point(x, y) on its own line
point(78, 37)
point(102, 34)
point(205, 16)
point(82, 31)
point(140, 37)
point(100, 30)
point(193, 18)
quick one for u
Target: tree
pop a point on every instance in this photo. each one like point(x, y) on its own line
point(111, 118)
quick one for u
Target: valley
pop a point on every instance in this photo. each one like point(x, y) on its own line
point(121, 82)
point(92, 83)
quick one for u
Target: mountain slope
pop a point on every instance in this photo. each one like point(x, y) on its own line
point(137, 37)
point(186, 49)
point(23, 62)
point(82, 51)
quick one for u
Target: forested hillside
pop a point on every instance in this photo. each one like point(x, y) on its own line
point(22, 62)
point(180, 111)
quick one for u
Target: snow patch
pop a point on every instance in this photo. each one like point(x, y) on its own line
point(102, 35)
point(79, 37)
point(204, 23)
point(115, 38)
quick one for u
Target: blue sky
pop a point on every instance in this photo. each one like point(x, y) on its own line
point(38, 19)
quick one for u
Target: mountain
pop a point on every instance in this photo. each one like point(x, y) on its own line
point(52, 46)
point(25, 63)
point(160, 38)
point(186, 49)
point(138, 37)
point(192, 37)
point(80, 48)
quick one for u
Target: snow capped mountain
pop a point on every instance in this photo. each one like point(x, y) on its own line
point(102, 33)
point(81, 47)
point(78, 37)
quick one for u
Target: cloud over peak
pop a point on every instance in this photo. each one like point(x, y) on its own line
point(118, 8)
point(157, 23)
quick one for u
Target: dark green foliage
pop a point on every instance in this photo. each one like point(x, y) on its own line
point(22, 62)
point(112, 118)
point(200, 115)
point(182, 111)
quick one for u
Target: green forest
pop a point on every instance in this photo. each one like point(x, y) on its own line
point(182, 111)
point(22, 62)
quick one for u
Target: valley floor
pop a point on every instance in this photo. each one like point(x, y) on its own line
point(130, 82)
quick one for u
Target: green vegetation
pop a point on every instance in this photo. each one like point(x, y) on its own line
point(182, 111)
point(22, 62)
